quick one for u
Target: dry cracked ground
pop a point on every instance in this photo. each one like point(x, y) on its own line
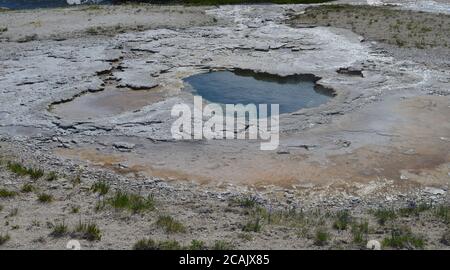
point(87, 152)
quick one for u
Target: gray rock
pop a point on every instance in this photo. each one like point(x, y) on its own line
point(434, 191)
point(123, 145)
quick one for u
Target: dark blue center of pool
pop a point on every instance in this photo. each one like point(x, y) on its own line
point(292, 93)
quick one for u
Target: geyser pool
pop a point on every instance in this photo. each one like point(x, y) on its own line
point(292, 92)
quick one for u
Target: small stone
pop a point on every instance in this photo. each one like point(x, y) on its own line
point(343, 143)
point(123, 166)
point(262, 48)
point(123, 145)
point(434, 191)
point(352, 71)
point(373, 245)
point(409, 152)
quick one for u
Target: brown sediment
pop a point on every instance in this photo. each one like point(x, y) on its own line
point(413, 147)
point(109, 102)
point(130, 164)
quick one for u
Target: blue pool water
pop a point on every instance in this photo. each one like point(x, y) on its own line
point(292, 93)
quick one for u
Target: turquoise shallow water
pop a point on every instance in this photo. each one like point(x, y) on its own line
point(292, 93)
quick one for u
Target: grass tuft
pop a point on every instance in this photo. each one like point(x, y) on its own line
point(59, 230)
point(222, 245)
point(384, 215)
point(150, 244)
point(75, 209)
point(4, 238)
point(135, 203)
point(100, 187)
point(443, 212)
point(45, 198)
point(170, 225)
point(4, 193)
point(169, 245)
point(197, 245)
point(17, 168)
point(402, 238)
point(27, 188)
point(146, 244)
point(88, 231)
point(52, 176)
point(21, 170)
point(414, 210)
point(321, 237)
point(360, 232)
point(253, 226)
point(246, 202)
point(343, 219)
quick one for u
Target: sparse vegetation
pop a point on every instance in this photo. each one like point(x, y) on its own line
point(384, 215)
point(443, 212)
point(59, 230)
point(246, 236)
point(169, 245)
point(4, 193)
point(146, 244)
point(17, 168)
point(133, 202)
point(343, 219)
point(197, 245)
point(321, 237)
point(89, 231)
point(4, 238)
point(406, 28)
point(252, 226)
point(290, 217)
point(76, 180)
point(52, 176)
point(170, 225)
point(402, 238)
point(27, 188)
point(93, 30)
point(75, 209)
point(246, 202)
point(35, 173)
point(413, 210)
point(222, 245)
point(45, 198)
point(21, 170)
point(150, 244)
point(360, 230)
point(100, 187)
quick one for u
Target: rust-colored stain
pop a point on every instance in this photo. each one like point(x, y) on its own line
point(416, 148)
